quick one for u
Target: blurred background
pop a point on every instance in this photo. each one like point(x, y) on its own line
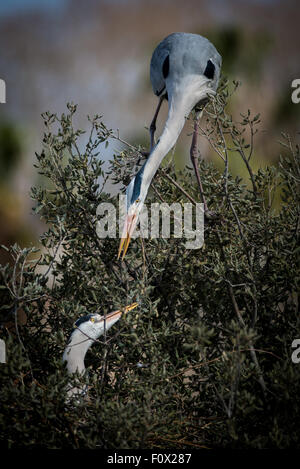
point(97, 53)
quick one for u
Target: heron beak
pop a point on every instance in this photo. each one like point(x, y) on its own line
point(129, 226)
point(125, 310)
point(130, 307)
point(117, 314)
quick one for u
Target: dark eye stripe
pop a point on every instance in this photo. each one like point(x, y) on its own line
point(209, 70)
point(78, 323)
point(83, 319)
point(165, 67)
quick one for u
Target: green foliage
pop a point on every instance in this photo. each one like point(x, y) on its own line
point(232, 41)
point(205, 361)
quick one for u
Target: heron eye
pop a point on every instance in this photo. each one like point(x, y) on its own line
point(92, 319)
point(137, 201)
point(165, 67)
point(209, 70)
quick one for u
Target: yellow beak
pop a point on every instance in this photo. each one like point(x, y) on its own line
point(128, 230)
point(119, 312)
point(130, 307)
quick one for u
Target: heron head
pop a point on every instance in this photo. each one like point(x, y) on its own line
point(86, 331)
point(90, 325)
point(93, 325)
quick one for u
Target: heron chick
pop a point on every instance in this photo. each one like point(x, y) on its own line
point(87, 330)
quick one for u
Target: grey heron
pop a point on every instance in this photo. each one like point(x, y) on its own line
point(86, 332)
point(185, 70)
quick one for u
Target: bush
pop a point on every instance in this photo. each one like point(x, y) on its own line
point(205, 361)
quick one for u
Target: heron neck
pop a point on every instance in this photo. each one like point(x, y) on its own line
point(75, 352)
point(182, 96)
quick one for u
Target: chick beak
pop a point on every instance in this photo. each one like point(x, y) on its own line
point(119, 312)
point(130, 307)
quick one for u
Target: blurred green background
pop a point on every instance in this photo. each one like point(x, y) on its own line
point(97, 54)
